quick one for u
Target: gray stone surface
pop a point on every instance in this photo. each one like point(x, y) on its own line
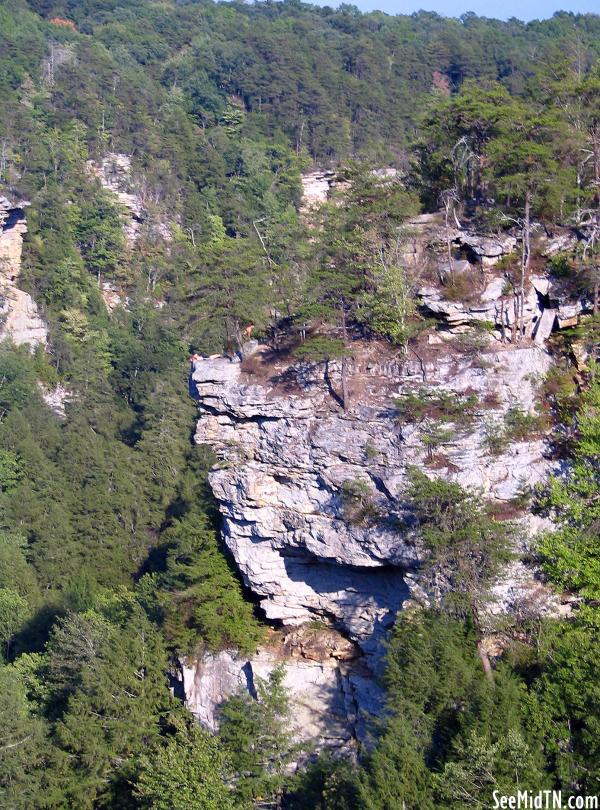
point(20, 320)
point(286, 448)
point(332, 695)
point(284, 458)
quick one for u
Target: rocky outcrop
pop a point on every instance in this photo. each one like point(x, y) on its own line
point(313, 494)
point(114, 174)
point(20, 320)
point(545, 307)
point(473, 289)
point(56, 399)
point(331, 692)
point(315, 189)
point(289, 457)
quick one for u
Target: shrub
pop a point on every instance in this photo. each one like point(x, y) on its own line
point(561, 266)
point(441, 406)
point(494, 438)
point(359, 507)
point(435, 435)
point(520, 425)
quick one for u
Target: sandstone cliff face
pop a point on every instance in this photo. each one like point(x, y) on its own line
point(19, 317)
point(289, 455)
point(285, 457)
point(331, 690)
point(285, 449)
point(114, 174)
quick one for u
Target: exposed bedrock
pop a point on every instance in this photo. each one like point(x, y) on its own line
point(289, 458)
point(284, 457)
point(331, 691)
point(20, 320)
point(285, 448)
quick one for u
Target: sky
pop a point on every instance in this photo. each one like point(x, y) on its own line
point(501, 9)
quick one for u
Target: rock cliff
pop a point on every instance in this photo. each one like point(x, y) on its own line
point(312, 493)
point(114, 174)
point(19, 317)
point(331, 689)
point(288, 455)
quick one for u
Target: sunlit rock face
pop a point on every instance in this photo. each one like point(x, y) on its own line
point(313, 490)
point(288, 453)
point(20, 320)
point(331, 690)
point(114, 174)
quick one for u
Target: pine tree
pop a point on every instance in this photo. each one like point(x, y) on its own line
point(185, 772)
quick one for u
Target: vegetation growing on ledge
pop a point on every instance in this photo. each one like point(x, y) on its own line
point(110, 563)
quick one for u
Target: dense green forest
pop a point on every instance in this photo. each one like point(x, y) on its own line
point(110, 559)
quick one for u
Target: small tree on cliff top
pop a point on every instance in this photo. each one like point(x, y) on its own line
point(324, 349)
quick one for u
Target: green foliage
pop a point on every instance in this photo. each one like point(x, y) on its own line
point(560, 265)
point(495, 439)
point(359, 505)
point(434, 435)
point(15, 572)
point(74, 645)
point(388, 309)
point(203, 602)
point(185, 772)
point(356, 272)
point(99, 235)
point(326, 784)
point(25, 752)
point(440, 406)
point(254, 730)
point(521, 426)
point(13, 612)
point(108, 542)
point(17, 378)
point(445, 720)
point(466, 546)
point(116, 711)
point(482, 767)
point(10, 470)
point(320, 348)
point(570, 554)
point(565, 702)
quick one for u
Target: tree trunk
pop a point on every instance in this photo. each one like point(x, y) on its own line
point(344, 384)
point(502, 319)
point(525, 260)
point(344, 371)
point(485, 661)
point(448, 242)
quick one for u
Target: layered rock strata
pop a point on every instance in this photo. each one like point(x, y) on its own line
point(20, 320)
point(287, 454)
point(332, 693)
point(287, 458)
point(291, 460)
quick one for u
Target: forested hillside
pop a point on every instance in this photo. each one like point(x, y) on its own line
point(156, 152)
